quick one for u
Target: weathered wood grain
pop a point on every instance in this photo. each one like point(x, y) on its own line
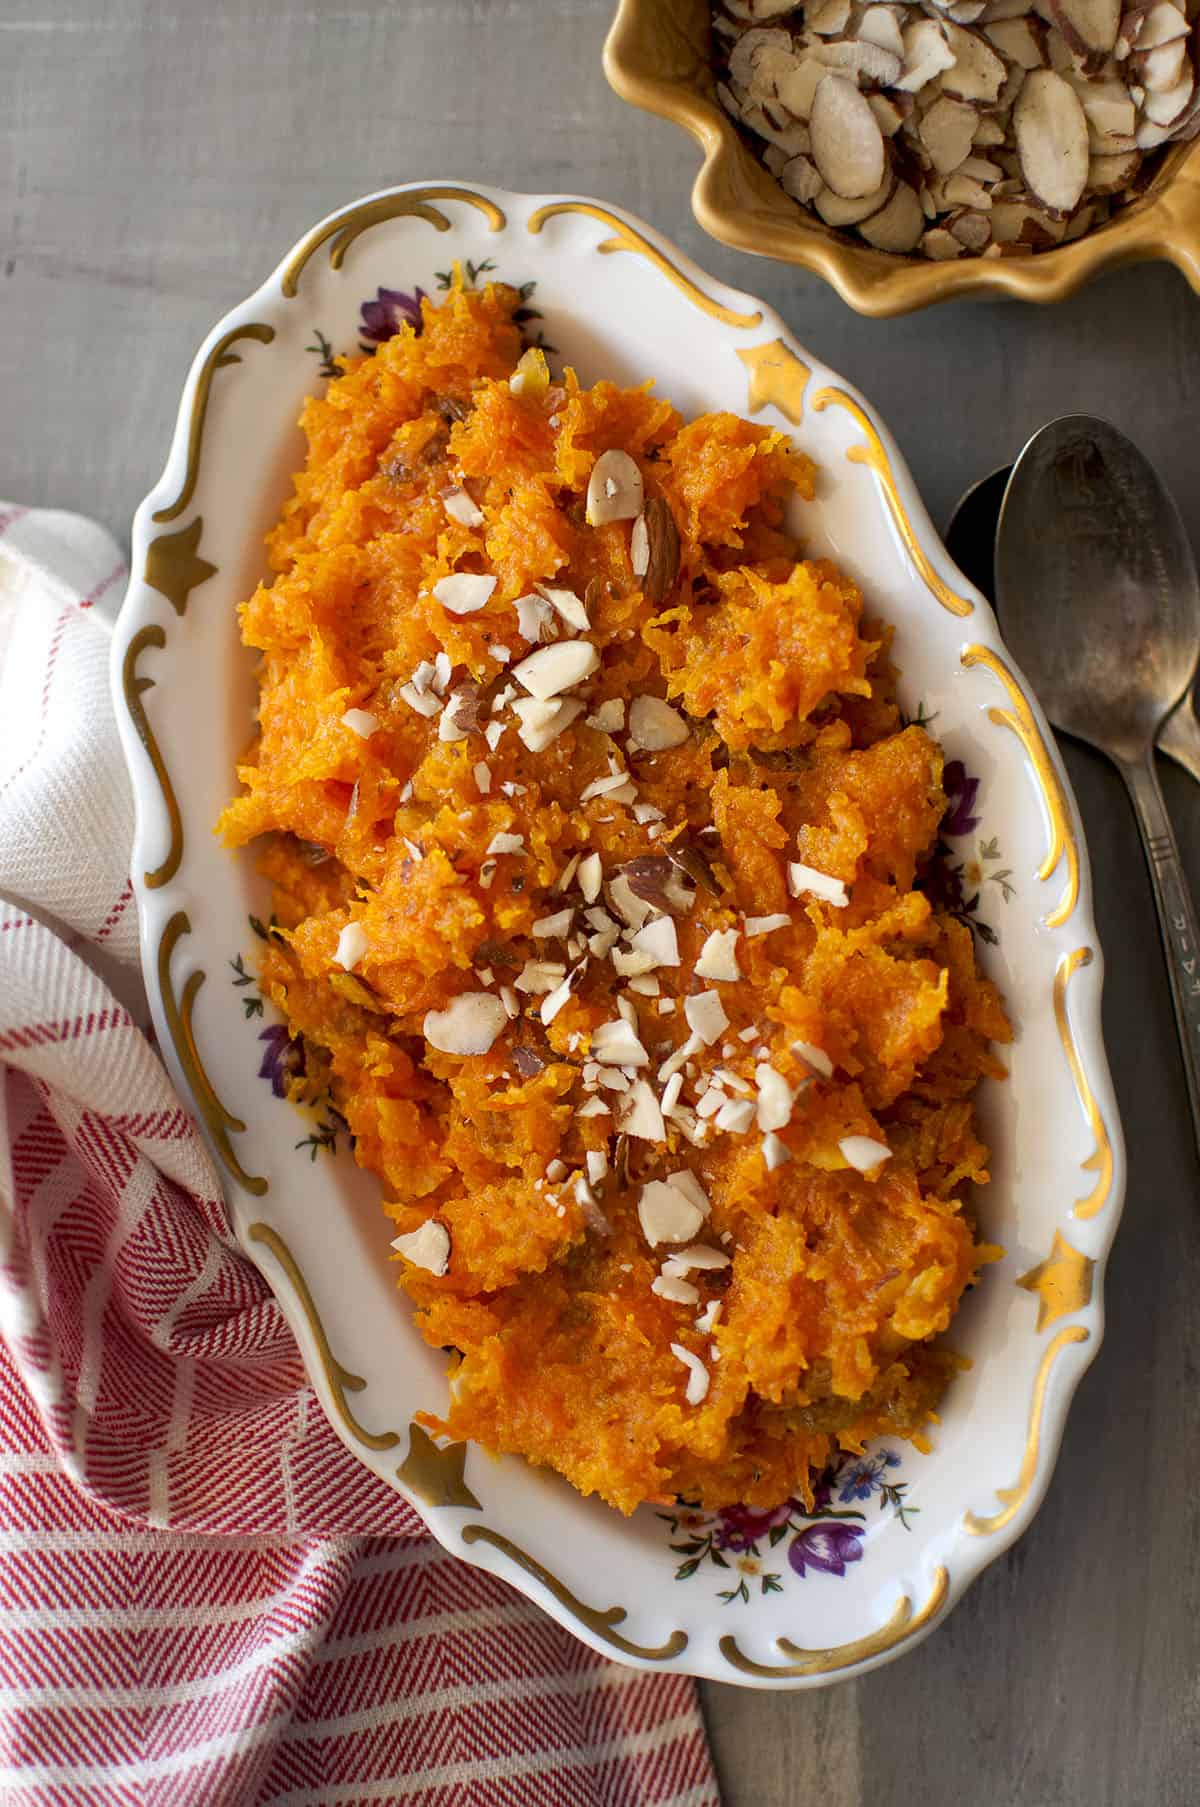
point(156, 156)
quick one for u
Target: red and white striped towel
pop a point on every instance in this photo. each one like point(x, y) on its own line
point(203, 1598)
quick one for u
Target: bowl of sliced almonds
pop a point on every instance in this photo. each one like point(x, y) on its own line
point(912, 153)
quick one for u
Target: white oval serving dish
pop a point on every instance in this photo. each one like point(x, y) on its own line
point(782, 1600)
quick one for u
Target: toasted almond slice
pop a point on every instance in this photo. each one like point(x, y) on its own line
point(961, 191)
point(837, 212)
point(1149, 136)
point(864, 1153)
point(427, 1247)
point(889, 110)
point(464, 592)
point(978, 73)
point(1159, 24)
point(776, 161)
point(658, 939)
point(616, 1044)
point(749, 44)
point(543, 722)
point(1089, 27)
point(897, 227)
point(654, 725)
point(706, 1016)
point(798, 90)
point(360, 722)
point(941, 245)
point(926, 54)
point(461, 508)
point(1161, 68)
point(1168, 108)
point(1018, 41)
point(966, 12)
point(679, 1292)
point(697, 1382)
point(1052, 140)
point(1109, 175)
point(1081, 221)
point(774, 1098)
point(1014, 81)
point(755, 12)
point(865, 61)
point(735, 1116)
point(553, 669)
point(567, 606)
point(980, 169)
point(947, 130)
point(535, 617)
point(352, 946)
point(801, 178)
point(971, 227)
point(667, 1213)
point(847, 145)
point(988, 132)
point(769, 65)
point(881, 25)
point(806, 881)
point(1008, 9)
point(718, 957)
point(640, 1114)
point(469, 1024)
point(828, 19)
point(614, 491)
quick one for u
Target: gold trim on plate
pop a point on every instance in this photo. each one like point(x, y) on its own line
point(627, 238)
point(218, 1120)
point(1062, 833)
point(173, 568)
point(436, 1475)
point(1014, 1496)
point(904, 1623)
point(1101, 1161)
point(1062, 1282)
point(218, 357)
point(873, 455)
point(339, 1380)
point(345, 227)
point(132, 686)
point(599, 1623)
point(777, 379)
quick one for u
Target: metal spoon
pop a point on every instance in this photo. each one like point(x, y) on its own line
point(1101, 604)
point(971, 541)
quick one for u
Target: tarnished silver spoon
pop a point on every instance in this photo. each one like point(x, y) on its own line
point(1098, 592)
point(971, 539)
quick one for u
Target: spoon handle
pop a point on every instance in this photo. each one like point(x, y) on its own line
point(1179, 737)
point(1176, 917)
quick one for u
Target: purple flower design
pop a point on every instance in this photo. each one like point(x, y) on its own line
point(742, 1526)
point(283, 1059)
point(826, 1547)
point(391, 309)
point(961, 792)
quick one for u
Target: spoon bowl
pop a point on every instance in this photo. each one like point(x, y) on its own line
point(1098, 590)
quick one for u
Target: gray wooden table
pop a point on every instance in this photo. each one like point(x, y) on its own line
point(156, 157)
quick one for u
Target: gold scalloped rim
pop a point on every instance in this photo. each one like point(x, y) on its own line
point(351, 222)
point(653, 60)
point(903, 1624)
point(1014, 1497)
point(132, 686)
point(1101, 1161)
point(217, 359)
point(1020, 718)
point(626, 238)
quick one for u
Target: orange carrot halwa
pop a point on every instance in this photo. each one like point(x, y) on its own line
point(596, 838)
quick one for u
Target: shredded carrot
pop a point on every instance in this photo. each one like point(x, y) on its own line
point(860, 1015)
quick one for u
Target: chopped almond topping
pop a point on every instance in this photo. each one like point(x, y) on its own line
point(469, 1024)
point(706, 1016)
point(864, 1153)
point(352, 946)
point(806, 881)
point(616, 1044)
point(464, 592)
point(697, 1383)
point(427, 1247)
point(553, 669)
point(765, 925)
point(718, 957)
point(360, 722)
point(667, 1214)
point(654, 725)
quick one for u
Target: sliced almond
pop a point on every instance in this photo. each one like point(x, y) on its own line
point(463, 592)
point(881, 25)
point(865, 61)
point(1052, 140)
point(553, 669)
point(1161, 68)
point(1110, 175)
point(747, 47)
point(352, 947)
point(798, 90)
point(837, 212)
point(640, 1114)
point(654, 725)
point(847, 145)
point(718, 957)
point(926, 54)
point(890, 114)
point(971, 227)
point(897, 227)
point(360, 722)
point(864, 1153)
point(468, 1025)
point(828, 18)
point(614, 491)
point(1018, 41)
point(567, 606)
point(1089, 27)
point(1168, 107)
point(697, 1381)
point(801, 178)
point(941, 245)
point(667, 1213)
point(706, 1016)
point(1161, 23)
point(427, 1247)
point(947, 131)
point(957, 190)
point(543, 722)
point(654, 549)
point(978, 73)
point(988, 132)
point(806, 881)
point(461, 508)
